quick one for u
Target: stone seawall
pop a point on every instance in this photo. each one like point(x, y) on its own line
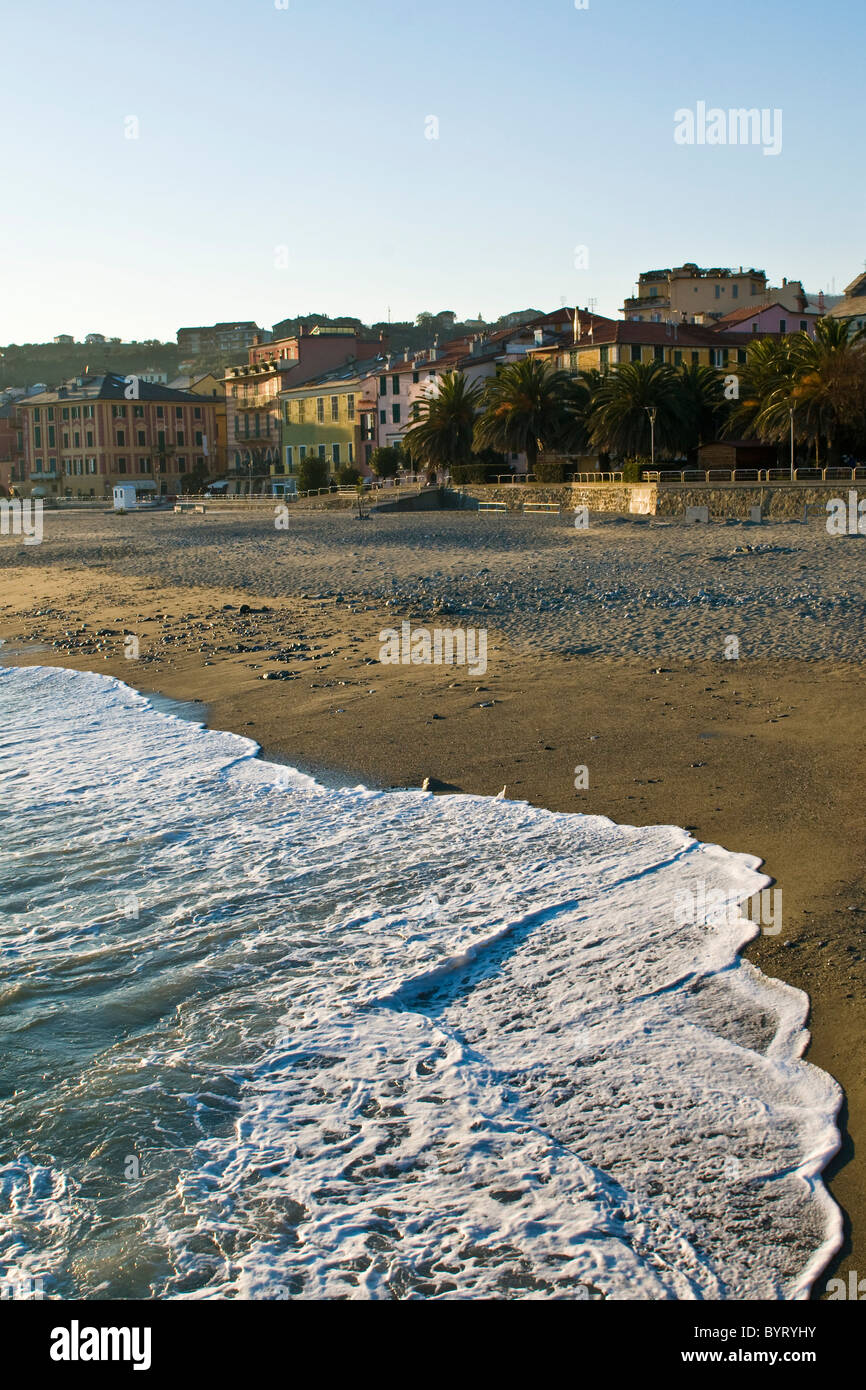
point(778, 502)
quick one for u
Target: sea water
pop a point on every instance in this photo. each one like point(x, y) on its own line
point(265, 1039)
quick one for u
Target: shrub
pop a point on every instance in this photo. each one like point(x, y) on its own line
point(549, 471)
point(312, 473)
point(348, 475)
point(386, 462)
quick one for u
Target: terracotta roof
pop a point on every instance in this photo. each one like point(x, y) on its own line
point(745, 312)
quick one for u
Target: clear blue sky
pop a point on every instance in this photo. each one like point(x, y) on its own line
point(304, 128)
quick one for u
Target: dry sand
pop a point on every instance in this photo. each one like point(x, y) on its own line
point(762, 756)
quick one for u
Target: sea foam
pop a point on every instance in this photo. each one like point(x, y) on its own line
point(264, 1039)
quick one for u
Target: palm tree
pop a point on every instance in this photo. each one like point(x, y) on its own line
point(619, 422)
point(766, 390)
point(523, 409)
point(577, 402)
point(442, 436)
point(703, 402)
point(830, 390)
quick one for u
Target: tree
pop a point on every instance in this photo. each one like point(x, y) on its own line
point(619, 421)
point(386, 462)
point(445, 423)
point(523, 409)
point(704, 404)
point(312, 473)
point(348, 475)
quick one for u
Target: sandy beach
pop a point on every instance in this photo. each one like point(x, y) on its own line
point(606, 651)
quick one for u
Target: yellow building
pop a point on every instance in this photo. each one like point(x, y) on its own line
point(690, 294)
point(603, 346)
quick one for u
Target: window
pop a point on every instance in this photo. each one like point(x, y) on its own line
point(335, 454)
point(138, 412)
point(199, 462)
point(754, 327)
point(803, 325)
point(604, 358)
point(290, 458)
point(395, 414)
point(76, 412)
point(718, 291)
point(635, 353)
point(37, 436)
point(181, 465)
point(321, 451)
point(159, 412)
point(351, 453)
point(350, 407)
point(38, 465)
point(383, 417)
point(335, 407)
point(180, 438)
point(742, 355)
point(146, 465)
point(51, 440)
point(121, 438)
point(65, 412)
point(88, 412)
point(199, 437)
point(121, 465)
point(178, 412)
point(678, 357)
point(302, 452)
point(52, 464)
point(141, 439)
point(196, 414)
point(160, 439)
point(416, 377)
point(395, 385)
point(696, 357)
point(658, 354)
point(118, 411)
point(383, 387)
point(66, 439)
point(735, 291)
point(88, 438)
point(320, 409)
point(36, 414)
point(302, 412)
point(76, 439)
point(783, 325)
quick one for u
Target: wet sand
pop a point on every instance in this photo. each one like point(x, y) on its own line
point(761, 756)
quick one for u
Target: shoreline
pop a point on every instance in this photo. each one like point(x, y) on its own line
point(526, 725)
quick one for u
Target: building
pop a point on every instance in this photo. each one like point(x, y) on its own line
point(775, 318)
point(220, 339)
point(599, 346)
point(329, 417)
point(253, 409)
point(87, 436)
point(852, 306)
point(94, 339)
point(11, 448)
point(64, 338)
point(690, 294)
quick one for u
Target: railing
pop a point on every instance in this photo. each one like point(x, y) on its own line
point(754, 475)
point(595, 477)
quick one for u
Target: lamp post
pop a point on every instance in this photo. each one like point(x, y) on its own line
point(651, 411)
point(791, 413)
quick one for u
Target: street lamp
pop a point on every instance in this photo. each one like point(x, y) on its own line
point(652, 411)
point(791, 413)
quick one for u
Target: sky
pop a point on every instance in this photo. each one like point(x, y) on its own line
point(183, 162)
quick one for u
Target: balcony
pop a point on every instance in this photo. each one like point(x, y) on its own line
point(647, 301)
point(256, 402)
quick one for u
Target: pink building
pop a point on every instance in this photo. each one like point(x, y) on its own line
point(773, 318)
